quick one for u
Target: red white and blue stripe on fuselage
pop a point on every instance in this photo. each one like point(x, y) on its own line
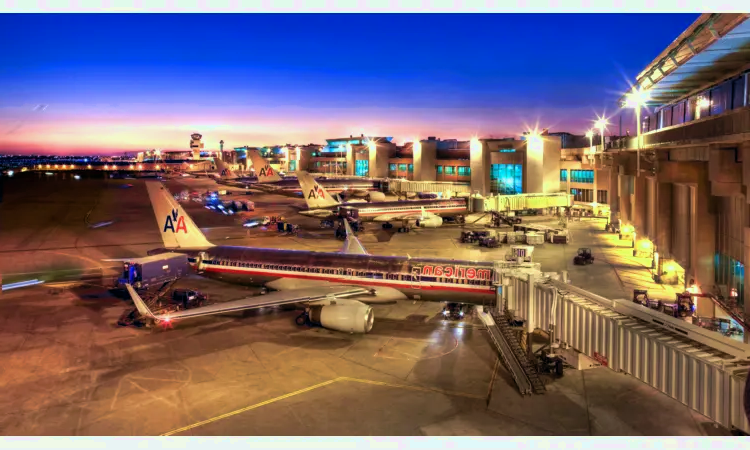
point(220, 263)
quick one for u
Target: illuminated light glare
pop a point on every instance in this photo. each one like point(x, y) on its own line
point(669, 268)
point(10, 173)
point(589, 134)
point(157, 167)
point(132, 166)
point(48, 166)
point(475, 145)
point(645, 245)
point(140, 166)
point(601, 123)
point(628, 229)
point(637, 98)
point(703, 102)
point(89, 166)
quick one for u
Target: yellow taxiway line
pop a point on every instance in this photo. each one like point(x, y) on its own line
point(319, 385)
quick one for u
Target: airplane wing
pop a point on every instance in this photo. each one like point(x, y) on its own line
point(307, 295)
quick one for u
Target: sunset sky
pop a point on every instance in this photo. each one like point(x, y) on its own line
point(110, 83)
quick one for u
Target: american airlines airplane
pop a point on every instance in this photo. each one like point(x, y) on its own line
point(336, 289)
point(421, 213)
point(270, 181)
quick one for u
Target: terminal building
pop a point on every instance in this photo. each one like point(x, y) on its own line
point(499, 166)
point(681, 184)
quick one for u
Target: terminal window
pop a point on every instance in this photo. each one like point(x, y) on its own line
point(582, 176)
point(392, 167)
point(292, 166)
point(411, 167)
point(439, 170)
point(730, 273)
point(601, 197)
point(563, 174)
point(507, 150)
point(402, 167)
point(362, 167)
point(582, 195)
point(506, 179)
point(464, 171)
point(450, 170)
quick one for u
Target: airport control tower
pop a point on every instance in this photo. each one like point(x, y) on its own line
point(196, 145)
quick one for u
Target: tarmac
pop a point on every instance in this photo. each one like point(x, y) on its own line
point(69, 370)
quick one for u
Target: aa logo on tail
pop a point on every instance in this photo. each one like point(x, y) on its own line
point(266, 171)
point(316, 192)
point(169, 224)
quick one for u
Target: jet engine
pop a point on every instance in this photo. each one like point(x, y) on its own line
point(430, 222)
point(356, 318)
point(375, 196)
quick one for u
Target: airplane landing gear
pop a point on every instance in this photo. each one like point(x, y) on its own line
point(302, 320)
point(387, 226)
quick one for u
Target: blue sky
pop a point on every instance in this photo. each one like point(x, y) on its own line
point(129, 81)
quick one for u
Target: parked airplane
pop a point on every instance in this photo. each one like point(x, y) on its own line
point(270, 181)
point(421, 213)
point(335, 289)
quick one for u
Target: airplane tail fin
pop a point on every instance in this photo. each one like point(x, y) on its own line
point(223, 169)
point(263, 169)
point(177, 228)
point(315, 195)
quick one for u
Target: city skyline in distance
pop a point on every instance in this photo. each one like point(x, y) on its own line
point(92, 84)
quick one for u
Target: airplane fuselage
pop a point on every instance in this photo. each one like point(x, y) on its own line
point(369, 211)
point(425, 279)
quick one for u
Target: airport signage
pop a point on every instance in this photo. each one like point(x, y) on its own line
point(468, 273)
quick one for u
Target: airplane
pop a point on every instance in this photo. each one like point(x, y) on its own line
point(270, 181)
point(336, 289)
point(422, 213)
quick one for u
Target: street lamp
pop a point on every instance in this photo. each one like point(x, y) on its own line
point(601, 124)
point(590, 135)
point(637, 99)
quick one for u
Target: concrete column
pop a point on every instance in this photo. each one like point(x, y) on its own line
point(703, 236)
point(378, 160)
point(480, 166)
point(534, 164)
point(425, 159)
point(613, 193)
point(663, 239)
point(350, 160)
point(638, 204)
point(626, 209)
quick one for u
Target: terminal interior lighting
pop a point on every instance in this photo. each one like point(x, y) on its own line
point(140, 166)
point(703, 102)
point(645, 244)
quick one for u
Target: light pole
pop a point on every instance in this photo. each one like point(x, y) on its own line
point(637, 99)
point(601, 124)
point(590, 135)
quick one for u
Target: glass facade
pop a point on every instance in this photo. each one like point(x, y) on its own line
point(292, 166)
point(563, 174)
point(464, 171)
point(725, 96)
point(582, 195)
point(392, 167)
point(582, 176)
point(402, 167)
point(411, 167)
point(730, 273)
point(506, 179)
point(439, 170)
point(362, 168)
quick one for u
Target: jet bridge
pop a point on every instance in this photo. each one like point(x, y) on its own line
point(520, 202)
point(701, 368)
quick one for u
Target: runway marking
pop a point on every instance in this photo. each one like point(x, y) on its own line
point(319, 385)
